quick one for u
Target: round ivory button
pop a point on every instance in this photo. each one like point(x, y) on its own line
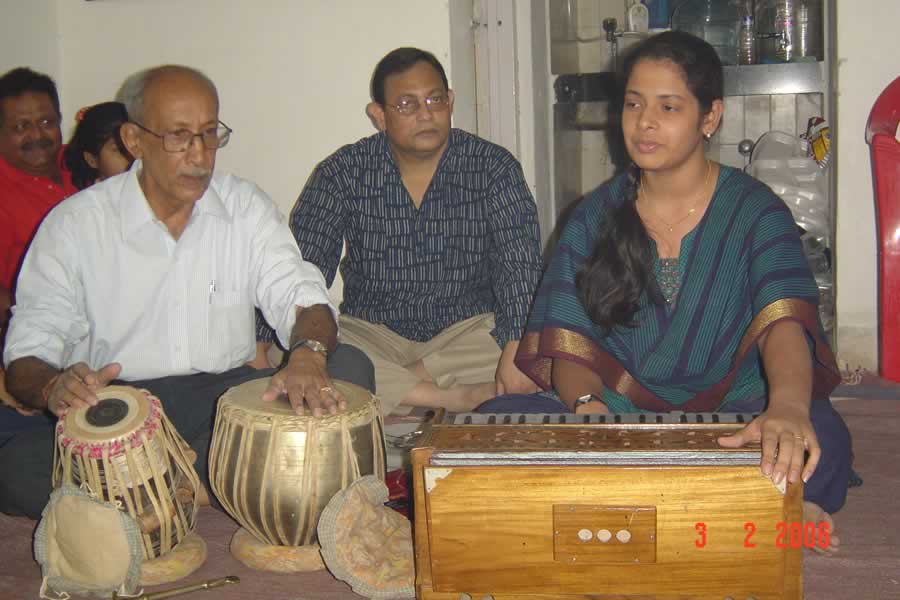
point(585, 535)
point(604, 535)
point(623, 535)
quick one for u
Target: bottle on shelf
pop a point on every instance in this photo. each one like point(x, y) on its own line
point(746, 41)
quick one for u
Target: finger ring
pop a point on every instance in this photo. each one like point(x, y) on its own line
point(326, 389)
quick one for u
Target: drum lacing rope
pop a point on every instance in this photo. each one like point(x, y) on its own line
point(175, 449)
point(156, 496)
point(308, 511)
point(378, 440)
point(273, 449)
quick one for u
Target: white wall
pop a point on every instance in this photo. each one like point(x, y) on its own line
point(867, 63)
point(293, 75)
point(29, 35)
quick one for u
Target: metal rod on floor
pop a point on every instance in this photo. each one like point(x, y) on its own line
point(206, 585)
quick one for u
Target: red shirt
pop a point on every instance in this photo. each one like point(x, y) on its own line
point(24, 201)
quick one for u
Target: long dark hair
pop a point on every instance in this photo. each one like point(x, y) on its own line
point(96, 126)
point(612, 281)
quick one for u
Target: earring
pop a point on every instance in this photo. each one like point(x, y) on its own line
point(707, 136)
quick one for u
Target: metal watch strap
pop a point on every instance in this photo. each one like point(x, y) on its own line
point(587, 398)
point(314, 345)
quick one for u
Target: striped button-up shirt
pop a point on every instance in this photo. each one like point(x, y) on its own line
point(472, 246)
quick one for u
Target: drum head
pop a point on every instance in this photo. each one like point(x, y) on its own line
point(248, 397)
point(122, 410)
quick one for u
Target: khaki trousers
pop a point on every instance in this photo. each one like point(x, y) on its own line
point(464, 353)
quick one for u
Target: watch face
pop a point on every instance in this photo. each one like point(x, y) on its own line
point(314, 345)
point(585, 399)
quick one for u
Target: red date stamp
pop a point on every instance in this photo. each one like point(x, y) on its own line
point(787, 535)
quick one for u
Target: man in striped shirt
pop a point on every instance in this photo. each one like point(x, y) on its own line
point(443, 247)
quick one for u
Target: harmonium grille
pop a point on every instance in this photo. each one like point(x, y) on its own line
point(675, 438)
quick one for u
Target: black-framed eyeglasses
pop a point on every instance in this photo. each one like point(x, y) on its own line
point(410, 105)
point(181, 139)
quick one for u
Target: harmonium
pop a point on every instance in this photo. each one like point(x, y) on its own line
point(645, 506)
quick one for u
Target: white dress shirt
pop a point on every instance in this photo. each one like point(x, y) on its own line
point(104, 281)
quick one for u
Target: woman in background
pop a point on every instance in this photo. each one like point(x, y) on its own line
point(96, 151)
point(682, 285)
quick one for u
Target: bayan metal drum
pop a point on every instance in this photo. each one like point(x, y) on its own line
point(124, 450)
point(275, 471)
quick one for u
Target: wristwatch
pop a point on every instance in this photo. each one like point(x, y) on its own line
point(314, 345)
point(587, 398)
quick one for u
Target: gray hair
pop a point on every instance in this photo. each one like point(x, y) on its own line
point(133, 90)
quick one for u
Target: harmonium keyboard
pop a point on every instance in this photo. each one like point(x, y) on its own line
point(649, 506)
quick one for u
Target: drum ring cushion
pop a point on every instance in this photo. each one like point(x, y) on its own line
point(86, 546)
point(367, 544)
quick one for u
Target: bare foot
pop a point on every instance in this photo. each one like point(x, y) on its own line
point(456, 399)
point(813, 513)
point(468, 397)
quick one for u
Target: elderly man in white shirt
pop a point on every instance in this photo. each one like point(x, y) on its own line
point(152, 277)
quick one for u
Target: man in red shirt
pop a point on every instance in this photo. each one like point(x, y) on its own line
point(32, 179)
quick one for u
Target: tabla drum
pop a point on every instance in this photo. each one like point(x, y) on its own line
point(274, 471)
point(125, 450)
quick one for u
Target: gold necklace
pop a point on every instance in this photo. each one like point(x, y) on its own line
point(671, 226)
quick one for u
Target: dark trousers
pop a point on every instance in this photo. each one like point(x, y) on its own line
point(12, 423)
point(828, 485)
point(189, 401)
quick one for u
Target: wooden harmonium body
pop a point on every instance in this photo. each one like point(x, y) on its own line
point(601, 507)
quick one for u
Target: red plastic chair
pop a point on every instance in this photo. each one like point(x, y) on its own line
point(881, 132)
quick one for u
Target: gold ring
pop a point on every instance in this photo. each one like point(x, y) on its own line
point(326, 389)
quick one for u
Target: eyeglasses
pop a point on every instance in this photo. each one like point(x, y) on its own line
point(410, 105)
point(181, 139)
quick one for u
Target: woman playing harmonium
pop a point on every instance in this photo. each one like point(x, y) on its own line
point(681, 284)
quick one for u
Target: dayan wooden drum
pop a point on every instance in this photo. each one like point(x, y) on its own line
point(124, 450)
point(274, 471)
point(537, 506)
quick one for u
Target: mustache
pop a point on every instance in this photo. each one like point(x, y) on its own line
point(195, 172)
point(42, 144)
